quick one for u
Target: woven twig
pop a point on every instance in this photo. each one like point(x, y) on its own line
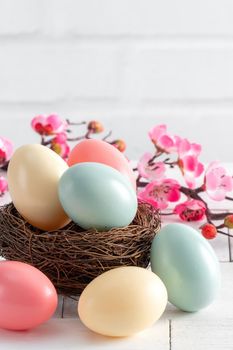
point(72, 257)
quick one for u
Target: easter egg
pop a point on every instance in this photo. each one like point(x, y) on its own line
point(99, 151)
point(122, 301)
point(33, 175)
point(187, 265)
point(97, 196)
point(27, 296)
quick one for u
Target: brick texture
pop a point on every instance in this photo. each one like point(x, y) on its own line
point(129, 63)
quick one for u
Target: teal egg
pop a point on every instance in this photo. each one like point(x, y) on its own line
point(187, 265)
point(97, 196)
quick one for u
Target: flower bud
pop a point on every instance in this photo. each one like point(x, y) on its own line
point(228, 222)
point(119, 144)
point(95, 127)
point(209, 231)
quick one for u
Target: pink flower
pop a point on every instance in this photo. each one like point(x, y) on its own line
point(188, 161)
point(6, 150)
point(162, 140)
point(149, 171)
point(3, 185)
point(191, 210)
point(217, 183)
point(49, 125)
point(159, 193)
point(60, 146)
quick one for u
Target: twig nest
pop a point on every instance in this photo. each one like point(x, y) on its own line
point(71, 257)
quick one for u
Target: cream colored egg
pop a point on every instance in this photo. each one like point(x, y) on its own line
point(33, 175)
point(122, 301)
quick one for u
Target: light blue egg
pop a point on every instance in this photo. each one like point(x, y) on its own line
point(97, 196)
point(187, 265)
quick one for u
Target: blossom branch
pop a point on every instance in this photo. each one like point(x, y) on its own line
point(158, 190)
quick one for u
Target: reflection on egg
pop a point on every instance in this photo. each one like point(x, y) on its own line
point(27, 297)
point(122, 301)
point(187, 265)
point(97, 196)
point(101, 152)
point(33, 175)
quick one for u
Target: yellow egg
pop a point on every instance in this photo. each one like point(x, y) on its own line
point(122, 301)
point(33, 175)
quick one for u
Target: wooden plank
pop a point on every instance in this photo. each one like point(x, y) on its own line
point(210, 328)
point(67, 334)
point(201, 335)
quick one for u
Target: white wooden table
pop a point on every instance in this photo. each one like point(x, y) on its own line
point(211, 328)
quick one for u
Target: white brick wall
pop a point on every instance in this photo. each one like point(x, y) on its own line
point(129, 63)
point(19, 17)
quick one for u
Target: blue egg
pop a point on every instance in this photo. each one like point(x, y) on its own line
point(97, 196)
point(187, 265)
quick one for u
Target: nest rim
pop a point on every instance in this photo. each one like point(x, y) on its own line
point(71, 257)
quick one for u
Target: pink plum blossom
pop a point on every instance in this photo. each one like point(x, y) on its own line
point(217, 182)
point(188, 161)
point(191, 210)
point(3, 185)
point(162, 140)
point(6, 150)
point(153, 171)
point(60, 146)
point(50, 125)
point(160, 193)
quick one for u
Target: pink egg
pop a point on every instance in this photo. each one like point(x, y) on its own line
point(27, 297)
point(101, 152)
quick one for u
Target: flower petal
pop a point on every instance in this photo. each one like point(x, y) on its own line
point(40, 119)
point(189, 163)
point(196, 149)
point(165, 142)
point(227, 183)
point(157, 131)
point(217, 195)
point(184, 147)
point(7, 147)
point(199, 169)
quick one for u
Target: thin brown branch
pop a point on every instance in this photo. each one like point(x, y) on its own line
point(74, 123)
point(71, 139)
point(107, 136)
point(4, 166)
point(224, 233)
point(157, 154)
point(166, 214)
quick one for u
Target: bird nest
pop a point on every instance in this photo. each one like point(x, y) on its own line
point(71, 257)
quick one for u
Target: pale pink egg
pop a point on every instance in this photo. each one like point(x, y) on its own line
point(101, 152)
